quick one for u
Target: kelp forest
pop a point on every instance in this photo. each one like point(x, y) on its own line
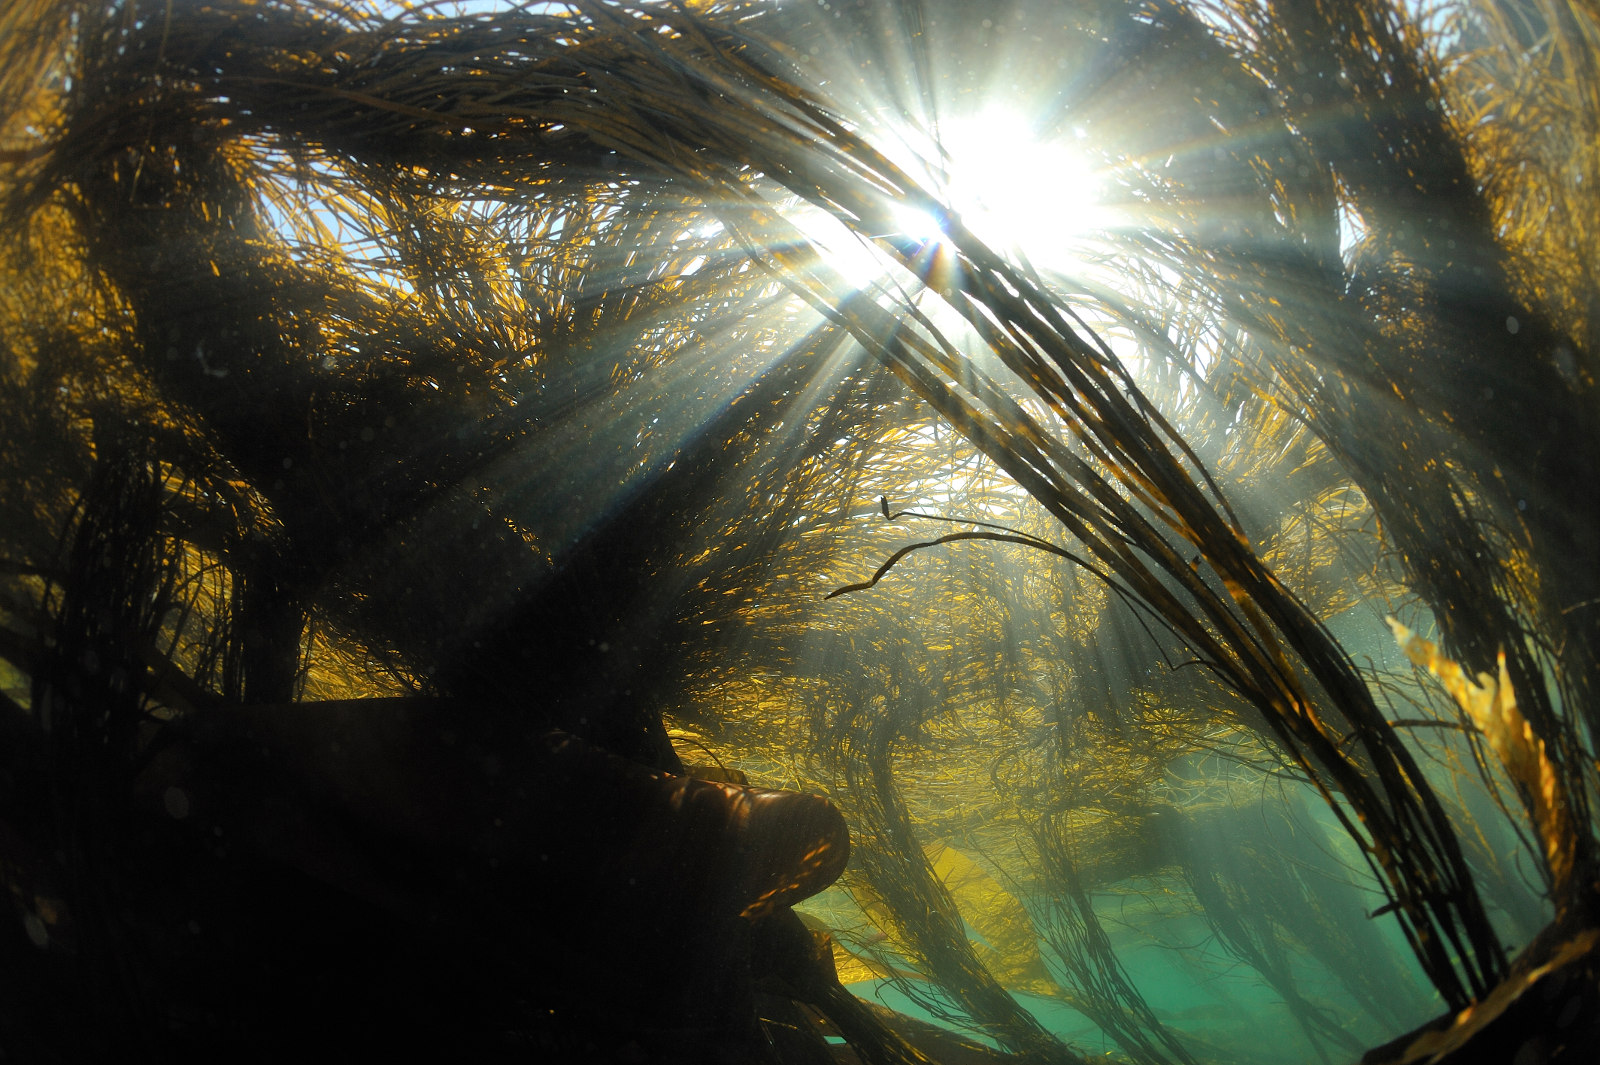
point(800, 532)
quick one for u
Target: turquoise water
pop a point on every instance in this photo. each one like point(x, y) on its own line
point(1218, 1004)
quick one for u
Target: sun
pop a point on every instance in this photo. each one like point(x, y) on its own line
point(1016, 189)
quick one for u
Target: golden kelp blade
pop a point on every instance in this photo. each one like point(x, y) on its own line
point(1010, 947)
point(852, 966)
point(1491, 706)
point(1007, 943)
point(857, 968)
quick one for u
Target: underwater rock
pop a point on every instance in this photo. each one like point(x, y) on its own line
point(417, 776)
point(403, 874)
